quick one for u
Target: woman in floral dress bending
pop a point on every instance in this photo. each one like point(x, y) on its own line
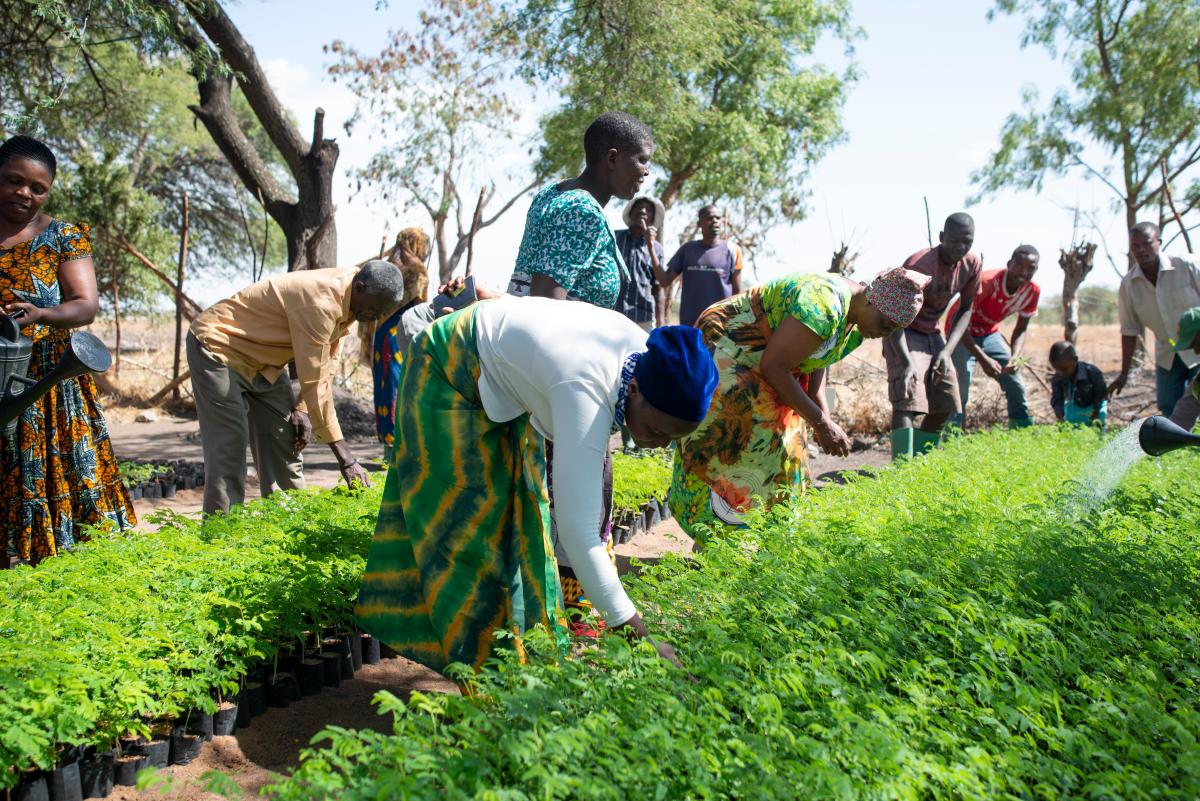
point(771, 345)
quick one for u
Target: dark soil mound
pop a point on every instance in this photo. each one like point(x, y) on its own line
point(355, 415)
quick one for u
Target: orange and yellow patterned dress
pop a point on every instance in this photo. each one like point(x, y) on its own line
point(751, 443)
point(57, 472)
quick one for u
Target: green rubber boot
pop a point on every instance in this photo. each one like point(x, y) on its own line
point(902, 444)
point(1023, 422)
point(924, 441)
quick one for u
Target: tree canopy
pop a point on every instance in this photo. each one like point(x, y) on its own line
point(739, 107)
point(113, 105)
point(1131, 119)
point(438, 98)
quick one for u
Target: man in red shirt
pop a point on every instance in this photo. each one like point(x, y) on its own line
point(921, 377)
point(1002, 293)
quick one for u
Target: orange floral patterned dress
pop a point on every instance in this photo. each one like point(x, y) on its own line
point(751, 443)
point(57, 472)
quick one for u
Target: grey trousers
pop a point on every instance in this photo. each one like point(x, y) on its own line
point(234, 413)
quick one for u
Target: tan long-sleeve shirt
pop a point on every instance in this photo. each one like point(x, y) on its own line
point(302, 316)
point(1141, 305)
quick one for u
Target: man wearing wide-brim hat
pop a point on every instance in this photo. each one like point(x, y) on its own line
point(1188, 407)
point(643, 299)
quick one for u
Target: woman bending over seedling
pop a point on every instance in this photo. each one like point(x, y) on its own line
point(462, 547)
point(771, 346)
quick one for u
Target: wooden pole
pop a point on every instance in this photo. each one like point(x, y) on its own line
point(1187, 240)
point(183, 251)
point(116, 290)
point(474, 227)
point(928, 223)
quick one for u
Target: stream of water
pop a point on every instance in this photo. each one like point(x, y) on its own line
point(1102, 475)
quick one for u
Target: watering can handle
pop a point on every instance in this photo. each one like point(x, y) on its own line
point(20, 379)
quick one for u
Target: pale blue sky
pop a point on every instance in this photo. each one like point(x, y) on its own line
point(937, 81)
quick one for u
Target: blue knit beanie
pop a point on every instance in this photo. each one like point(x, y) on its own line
point(677, 373)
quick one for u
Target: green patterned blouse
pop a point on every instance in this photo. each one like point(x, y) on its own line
point(822, 303)
point(568, 238)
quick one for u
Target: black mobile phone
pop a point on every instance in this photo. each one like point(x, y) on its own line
point(464, 297)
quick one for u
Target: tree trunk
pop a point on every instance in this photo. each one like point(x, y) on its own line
point(675, 182)
point(842, 263)
point(306, 217)
point(1076, 264)
point(116, 293)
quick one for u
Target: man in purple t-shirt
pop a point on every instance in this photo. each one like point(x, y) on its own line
point(710, 268)
point(922, 381)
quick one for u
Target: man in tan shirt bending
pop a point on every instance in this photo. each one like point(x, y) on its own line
point(238, 351)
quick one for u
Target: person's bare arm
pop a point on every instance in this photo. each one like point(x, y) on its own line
point(1017, 345)
point(790, 344)
point(958, 330)
point(735, 282)
point(816, 389)
point(348, 465)
point(910, 378)
point(665, 275)
point(77, 282)
point(1128, 346)
point(660, 305)
point(543, 286)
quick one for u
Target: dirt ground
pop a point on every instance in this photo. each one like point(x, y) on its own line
point(257, 755)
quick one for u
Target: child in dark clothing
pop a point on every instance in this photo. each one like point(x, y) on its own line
point(1078, 388)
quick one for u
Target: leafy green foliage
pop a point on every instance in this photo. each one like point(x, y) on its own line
point(135, 472)
point(1132, 111)
point(949, 629)
point(639, 477)
point(739, 109)
point(132, 627)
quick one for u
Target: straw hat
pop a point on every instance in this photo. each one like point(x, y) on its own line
point(660, 212)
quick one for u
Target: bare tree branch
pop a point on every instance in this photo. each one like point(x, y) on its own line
point(250, 76)
point(191, 308)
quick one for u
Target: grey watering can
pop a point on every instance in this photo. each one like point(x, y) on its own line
point(85, 354)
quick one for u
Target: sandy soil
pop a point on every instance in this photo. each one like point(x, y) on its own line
point(169, 438)
point(255, 756)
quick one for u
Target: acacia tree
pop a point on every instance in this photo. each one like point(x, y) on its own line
point(738, 110)
point(1132, 118)
point(114, 109)
point(302, 208)
point(438, 97)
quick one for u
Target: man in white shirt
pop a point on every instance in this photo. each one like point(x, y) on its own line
point(1154, 294)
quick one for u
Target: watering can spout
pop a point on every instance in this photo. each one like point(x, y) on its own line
point(1159, 435)
point(84, 353)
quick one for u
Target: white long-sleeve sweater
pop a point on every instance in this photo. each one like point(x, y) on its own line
point(561, 363)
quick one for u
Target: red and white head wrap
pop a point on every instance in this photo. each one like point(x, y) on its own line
point(898, 294)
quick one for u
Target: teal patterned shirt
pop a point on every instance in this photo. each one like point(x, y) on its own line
point(568, 238)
